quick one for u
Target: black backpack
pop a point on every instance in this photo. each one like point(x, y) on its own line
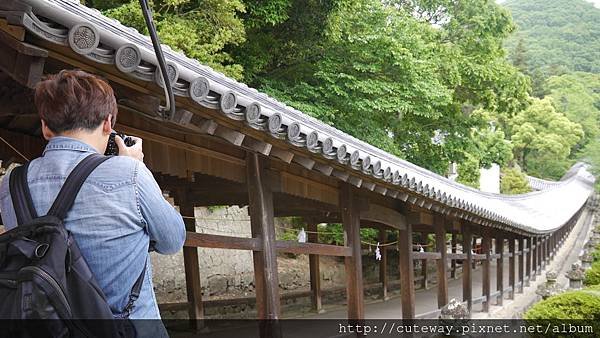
point(43, 275)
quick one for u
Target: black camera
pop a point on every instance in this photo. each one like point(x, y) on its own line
point(112, 148)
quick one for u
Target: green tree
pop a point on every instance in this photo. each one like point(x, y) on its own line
point(543, 138)
point(558, 34)
point(513, 182)
point(577, 95)
point(202, 29)
point(386, 75)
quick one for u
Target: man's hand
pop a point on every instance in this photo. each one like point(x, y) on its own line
point(134, 151)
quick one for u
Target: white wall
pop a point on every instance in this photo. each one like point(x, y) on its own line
point(490, 179)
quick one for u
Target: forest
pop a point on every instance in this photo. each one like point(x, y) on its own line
point(431, 81)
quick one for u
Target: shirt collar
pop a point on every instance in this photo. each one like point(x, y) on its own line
point(68, 143)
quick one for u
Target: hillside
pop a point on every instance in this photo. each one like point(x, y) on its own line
point(558, 35)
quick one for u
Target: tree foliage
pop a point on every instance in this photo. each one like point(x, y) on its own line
point(202, 29)
point(560, 35)
point(514, 182)
point(543, 138)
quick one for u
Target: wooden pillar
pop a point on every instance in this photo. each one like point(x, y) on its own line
point(521, 262)
point(548, 248)
point(407, 279)
point(539, 251)
point(534, 256)
point(486, 244)
point(315, 272)
point(383, 275)
point(424, 281)
point(528, 264)
point(351, 223)
point(466, 266)
point(442, 263)
point(191, 264)
point(473, 246)
point(266, 279)
point(500, 269)
point(454, 243)
point(511, 267)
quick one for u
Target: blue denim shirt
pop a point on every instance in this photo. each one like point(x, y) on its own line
point(119, 209)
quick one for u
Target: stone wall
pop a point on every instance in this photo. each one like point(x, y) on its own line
point(230, 273)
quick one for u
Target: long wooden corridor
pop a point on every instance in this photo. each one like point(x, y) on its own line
point(228, 144)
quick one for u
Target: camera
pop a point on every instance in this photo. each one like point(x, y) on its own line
point(112, 148)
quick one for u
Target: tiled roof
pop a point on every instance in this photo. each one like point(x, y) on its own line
point(104, 40)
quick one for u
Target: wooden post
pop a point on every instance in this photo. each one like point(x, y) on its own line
point(521, 262)
point(548, 246)
point(407, 279)
point(442, 263)
point(262, 225)
point(486, 244)
point(351, 223)
point(454, 243)
point(500, 269)
point(534, 256)
point(528, 265)
point(466, 266)
point(511, 267)
point(383, 275)
point(191, 265)
point(539, 251)
point(424, 283)
point(315, 272)
point(473, 246)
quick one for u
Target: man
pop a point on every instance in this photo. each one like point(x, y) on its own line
point(119, 210)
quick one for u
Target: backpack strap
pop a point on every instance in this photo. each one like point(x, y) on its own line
point(67, 194)
point(20, 195)
point(135, 293)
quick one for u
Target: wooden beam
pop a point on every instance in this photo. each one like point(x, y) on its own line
point(383, 275)
point(313, 248)
point(467, 266)
point(17, 32)
point(485, 270)
point(349, 206)
point(191, 263)
point(21, 61)
point(196, 240)
point(265, 261)
point(314, 268)
point(500, 269)
point(179, 144)
point(511, 267)
point(442, 263)
point(426, 255)
point(407, 286)
point(456, 256)
point(383, 215)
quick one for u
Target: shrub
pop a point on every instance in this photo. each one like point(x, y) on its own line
point(580, 304)
point(513, 182)
point(592, 275)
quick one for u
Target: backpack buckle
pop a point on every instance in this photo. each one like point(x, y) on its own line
point(40, 250)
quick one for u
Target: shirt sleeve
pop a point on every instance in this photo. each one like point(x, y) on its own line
point(164, 224)
point(9, 219)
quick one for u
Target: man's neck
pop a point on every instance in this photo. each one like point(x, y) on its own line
point(89, 138)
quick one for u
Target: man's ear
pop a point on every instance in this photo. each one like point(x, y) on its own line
point(107, 125)
point(46, 132)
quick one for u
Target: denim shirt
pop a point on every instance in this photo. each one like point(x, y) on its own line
point(119, 209)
